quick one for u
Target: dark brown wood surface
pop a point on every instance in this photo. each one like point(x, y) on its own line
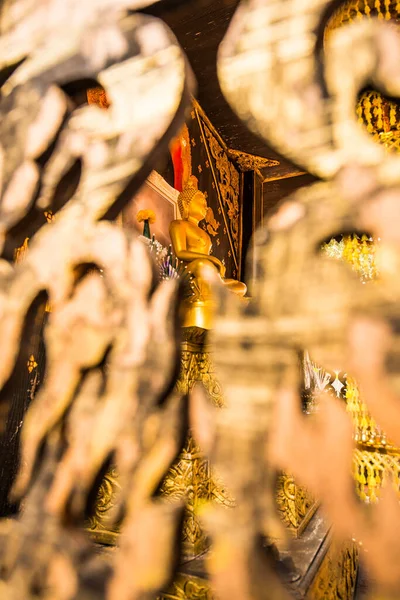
point(200, 27)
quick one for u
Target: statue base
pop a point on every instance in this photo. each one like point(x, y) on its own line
point(315, 567)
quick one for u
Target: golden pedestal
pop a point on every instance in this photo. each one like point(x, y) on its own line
point(191, 477)
point(320, 568)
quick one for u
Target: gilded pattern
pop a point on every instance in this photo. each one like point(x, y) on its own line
point(188, 588)
point(228, 184)
point(295, 505)
point(366, 430)
point(371, 469)
point(250, 162)
point(354, 10)
point(197, 366)
point(212, 224)
point(191, 477)
point(20, 252)
point(99, 524)
point(375, 458)
point(337, 576)
point(359, 252)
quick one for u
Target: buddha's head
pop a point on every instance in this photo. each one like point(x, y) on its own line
point(191, 201)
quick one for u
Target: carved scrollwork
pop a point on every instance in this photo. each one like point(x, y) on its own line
point(228, 180)
point(189, 588)
point(338, 574)
point(100, 523)
point(191, 477)
point(250, 162)
point(294, 503)
point(82, 164)
point(197, 365)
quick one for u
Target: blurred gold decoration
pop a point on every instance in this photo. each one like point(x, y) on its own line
point(374, 468)
point(50, 216)
point(191, 478)
point(271, 72)
point(31, 364)
point(355, 10)
point(188, 588)
point(367, 432)
point(359, 252)
point(20, 252)
point(376, 459)
point(378, 114)
point(100, 524)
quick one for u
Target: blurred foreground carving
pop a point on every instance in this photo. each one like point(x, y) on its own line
point(111, 327)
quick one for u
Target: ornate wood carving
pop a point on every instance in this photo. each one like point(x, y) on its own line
point(249, 162)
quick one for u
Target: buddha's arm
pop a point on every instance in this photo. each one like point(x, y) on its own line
point(177, 232)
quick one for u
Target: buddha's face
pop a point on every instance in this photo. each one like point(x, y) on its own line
point(198, 206)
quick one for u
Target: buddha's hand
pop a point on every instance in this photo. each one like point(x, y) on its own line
point(220, 266)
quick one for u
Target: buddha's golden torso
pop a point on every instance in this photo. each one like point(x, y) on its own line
point(197, 240)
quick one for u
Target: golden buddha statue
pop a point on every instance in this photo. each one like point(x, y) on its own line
point(192, 245)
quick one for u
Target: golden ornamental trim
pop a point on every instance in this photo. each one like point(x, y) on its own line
point(251, 162)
